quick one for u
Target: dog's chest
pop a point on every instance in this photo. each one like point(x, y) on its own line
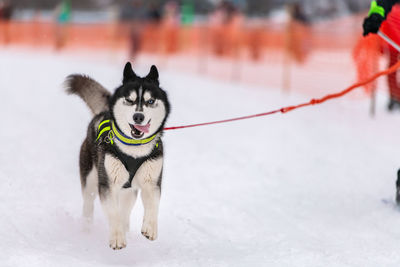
point(116, 171)
point(117, 174)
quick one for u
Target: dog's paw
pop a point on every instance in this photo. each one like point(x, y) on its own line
point(117, 240)
point(149, 230)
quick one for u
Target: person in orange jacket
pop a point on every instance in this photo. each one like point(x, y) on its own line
point(377, 14)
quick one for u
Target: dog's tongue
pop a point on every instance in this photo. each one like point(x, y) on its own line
point(142, 128)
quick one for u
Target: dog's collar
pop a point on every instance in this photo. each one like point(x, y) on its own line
point(108, 126)
point(130, 141)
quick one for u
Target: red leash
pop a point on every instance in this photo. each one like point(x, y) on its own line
point(223, 121)
point(290, 108)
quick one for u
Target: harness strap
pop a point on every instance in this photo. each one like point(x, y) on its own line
point(131, 164)
point(108, 129)
point(104, 127)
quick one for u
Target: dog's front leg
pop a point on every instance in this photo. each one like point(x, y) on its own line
point(127, 201)
point(113, 197)
point(111, 208)
point(149, 180)
point(151, 200)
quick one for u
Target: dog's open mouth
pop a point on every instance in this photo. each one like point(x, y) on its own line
point(137, 131)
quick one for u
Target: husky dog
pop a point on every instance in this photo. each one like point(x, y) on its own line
point(123, 151)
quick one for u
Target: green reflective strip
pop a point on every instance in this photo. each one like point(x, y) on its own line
point(131, 141)
point(111, 137)
point(376, 9)
point(102, 131)
point(102, 123)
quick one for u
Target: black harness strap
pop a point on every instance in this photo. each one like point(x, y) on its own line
point(133, 164)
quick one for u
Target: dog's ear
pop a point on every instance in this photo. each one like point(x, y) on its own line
point(129, 74)
point(153, 74)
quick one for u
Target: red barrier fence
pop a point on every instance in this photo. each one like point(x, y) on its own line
point(226, 40)
point(223, 51)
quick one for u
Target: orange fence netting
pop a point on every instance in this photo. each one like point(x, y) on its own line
point(327, 55)
point(225, 40)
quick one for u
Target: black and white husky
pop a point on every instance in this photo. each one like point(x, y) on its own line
point(123, 151)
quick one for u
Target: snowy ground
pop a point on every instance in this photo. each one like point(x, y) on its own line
point(302, 189)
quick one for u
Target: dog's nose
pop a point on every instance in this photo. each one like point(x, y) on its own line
point(138, 118)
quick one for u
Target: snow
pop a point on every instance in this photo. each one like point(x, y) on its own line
point(302, 189)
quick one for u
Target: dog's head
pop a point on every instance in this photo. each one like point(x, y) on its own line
point(139, 106)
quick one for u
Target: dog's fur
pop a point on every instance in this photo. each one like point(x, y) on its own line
point(101, 169)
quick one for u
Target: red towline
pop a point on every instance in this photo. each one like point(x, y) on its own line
point(290, 108)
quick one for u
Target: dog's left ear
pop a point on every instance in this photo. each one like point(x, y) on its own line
point(153, 74)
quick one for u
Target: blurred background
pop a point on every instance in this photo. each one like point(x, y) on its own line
point(239, 40)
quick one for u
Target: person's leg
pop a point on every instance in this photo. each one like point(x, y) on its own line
point(394, 86)
point(398, 188)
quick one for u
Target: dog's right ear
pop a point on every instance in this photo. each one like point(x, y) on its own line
point(129, 74)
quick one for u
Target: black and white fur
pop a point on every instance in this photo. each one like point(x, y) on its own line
point(101, 169)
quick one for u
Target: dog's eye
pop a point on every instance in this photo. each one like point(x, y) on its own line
point(151, 101)
point(128, 102)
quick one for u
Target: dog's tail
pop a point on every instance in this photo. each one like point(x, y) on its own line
point(93, 93)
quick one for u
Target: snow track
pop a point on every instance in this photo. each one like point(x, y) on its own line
point(303, 189)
